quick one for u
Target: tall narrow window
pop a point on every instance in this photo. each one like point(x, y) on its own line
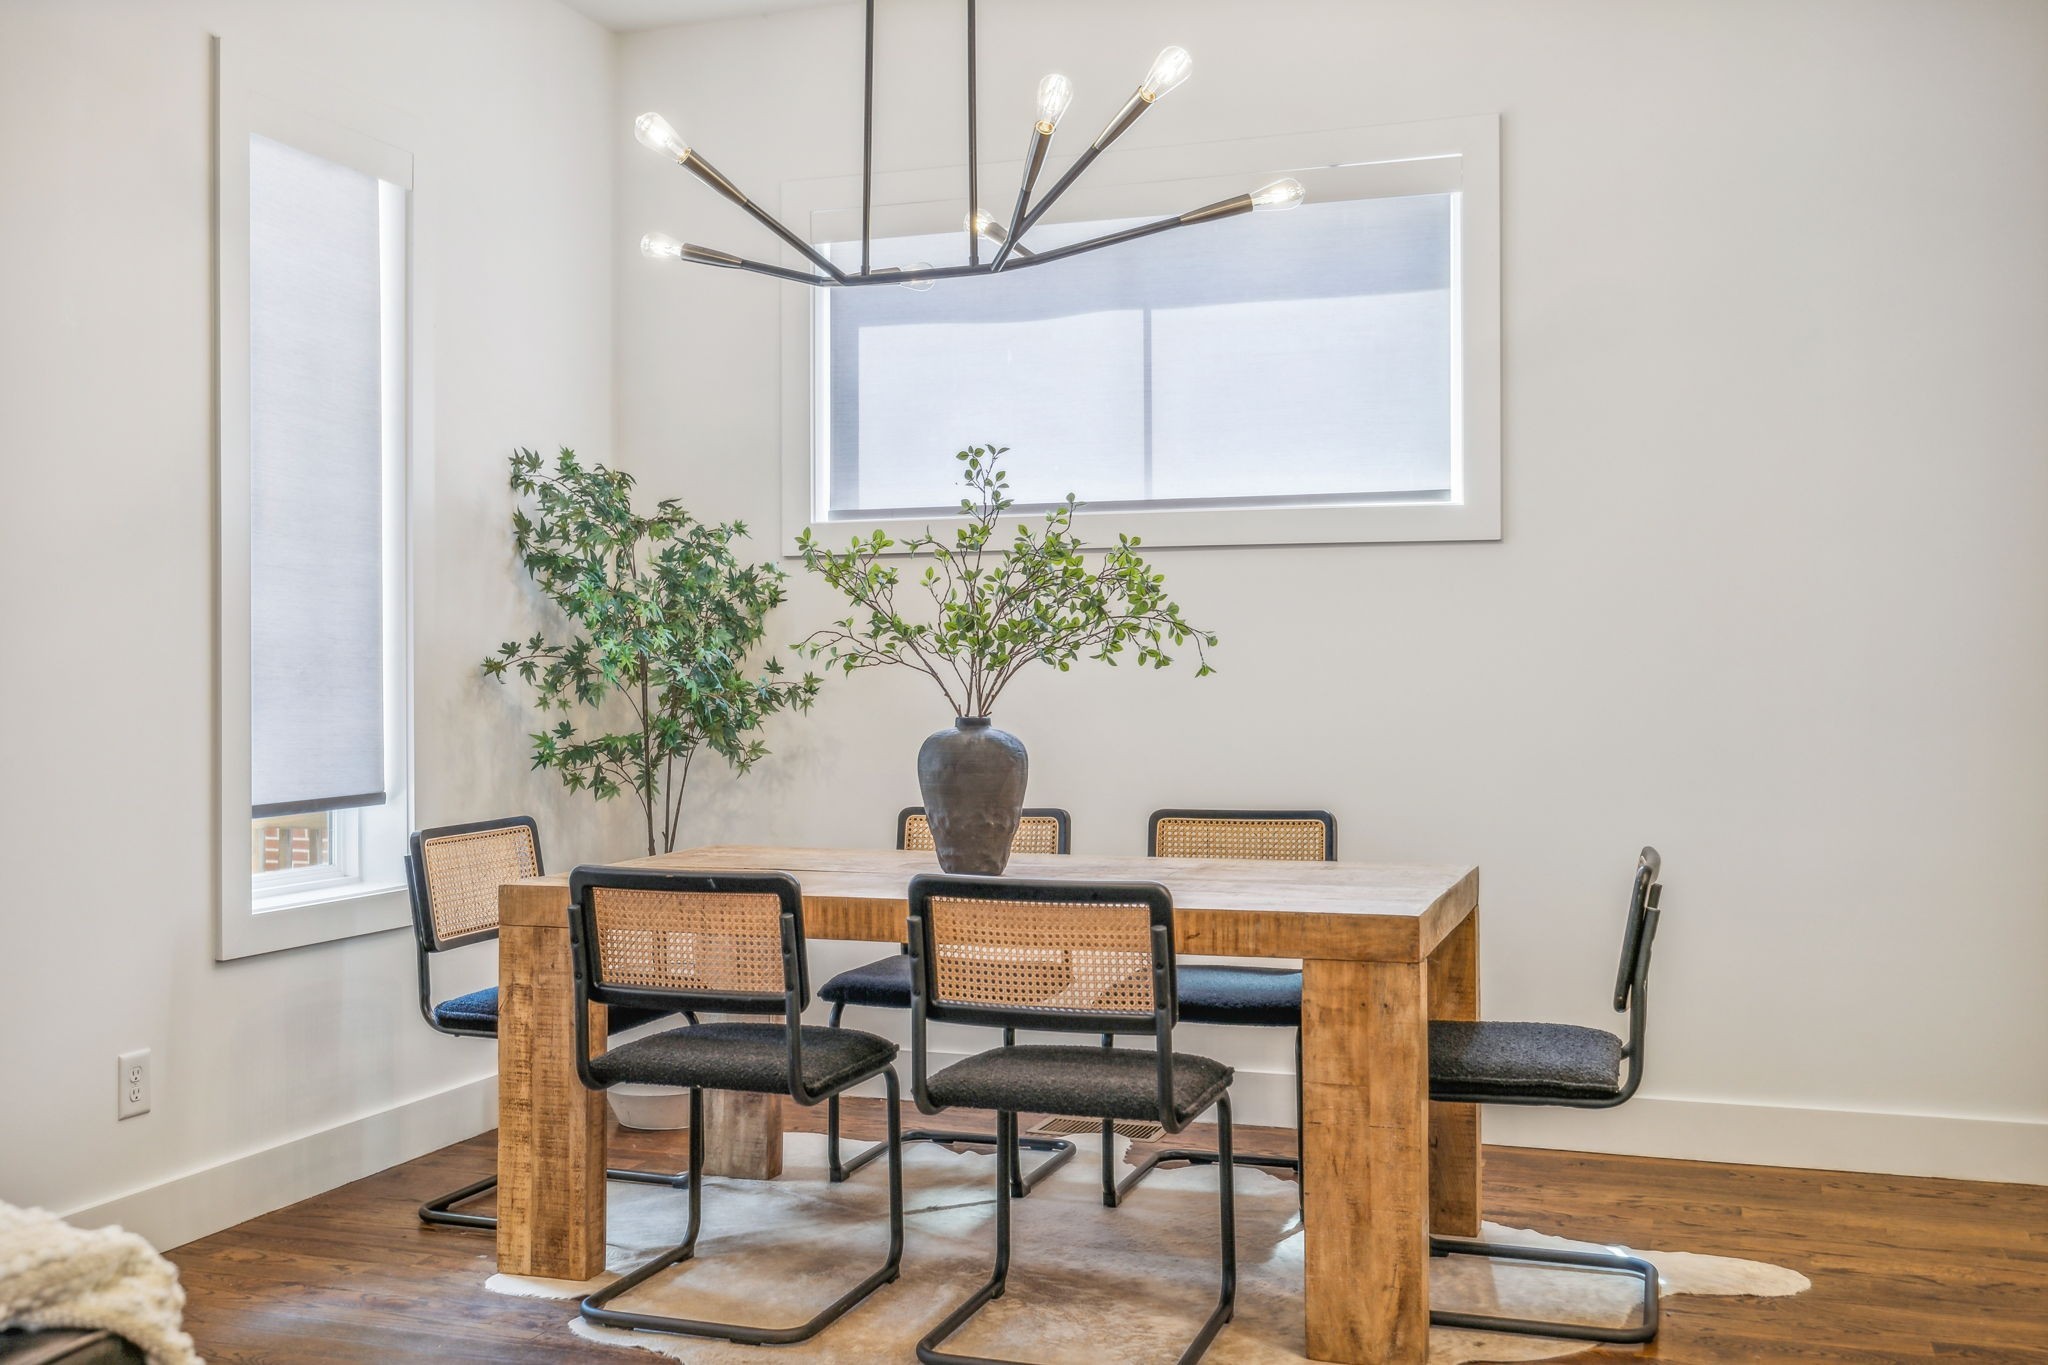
point(314, 569)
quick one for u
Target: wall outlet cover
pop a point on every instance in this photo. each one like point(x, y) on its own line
point(133, 1092)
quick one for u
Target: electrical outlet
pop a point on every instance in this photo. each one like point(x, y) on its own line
point(133, 1095)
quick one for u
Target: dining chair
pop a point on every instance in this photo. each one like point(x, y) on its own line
point(1495, 1062)
point(1065, 957)
point(452, 875)
point(731, 943)
point(1216, 993)
point(885, 984)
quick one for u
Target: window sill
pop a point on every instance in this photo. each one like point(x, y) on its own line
point(1248, 527)
point(322, 915)
point(334, 892)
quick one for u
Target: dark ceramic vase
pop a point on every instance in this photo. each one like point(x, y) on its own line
point(972, 776)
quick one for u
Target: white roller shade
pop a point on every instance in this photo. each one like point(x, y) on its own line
point(1291, 358)
point(316, 476)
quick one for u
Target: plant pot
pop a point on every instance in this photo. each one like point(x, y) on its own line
point(655, 1108)
point(972, 777)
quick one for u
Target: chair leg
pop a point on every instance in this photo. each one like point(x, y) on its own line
point(1115, 1191)
point(1006, 1123)
point(1643, 1271)
point(440, 1210)
point(1022, 1182)
point(596, 1310)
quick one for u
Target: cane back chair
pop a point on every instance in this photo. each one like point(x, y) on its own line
point(731, 943)
point(1216, 993)
point(1067, 957)
point(452, 875)
point(1497, 1062)
point(885, 984)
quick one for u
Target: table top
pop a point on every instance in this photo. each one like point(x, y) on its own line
point(1238, 907)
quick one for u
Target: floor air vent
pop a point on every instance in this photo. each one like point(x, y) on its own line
point(1137, 1130)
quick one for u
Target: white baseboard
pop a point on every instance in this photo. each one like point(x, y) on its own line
point(175, 1211)
point(2011, 1151)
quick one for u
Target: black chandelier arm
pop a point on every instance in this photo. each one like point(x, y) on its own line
point(1034, 161)
point(711, 176)
point(725, 260)
point(1134, 108)
point(901, 275)
point(1208, 213)
point(1045, 201)
point(973, 149)
point(867, 147)
point(1136, 105)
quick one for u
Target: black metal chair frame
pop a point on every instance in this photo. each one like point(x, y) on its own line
point(1632, 996)
point(1022, 1182)
point(441, 1211)
point(790, 1005)
point(1115, 1191)
point(926, 1007)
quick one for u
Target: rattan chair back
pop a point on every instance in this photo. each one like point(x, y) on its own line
point(455, 874)
point(689, 941)
point(1066, 956)
point(1046, 829)
point(1307, 836)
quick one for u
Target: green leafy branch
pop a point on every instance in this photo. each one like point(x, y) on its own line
point(666, 618)
point(996, 607)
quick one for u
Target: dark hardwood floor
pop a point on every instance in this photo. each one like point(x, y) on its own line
point(1902, 1269)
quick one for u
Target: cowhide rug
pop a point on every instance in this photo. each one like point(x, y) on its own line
point(1087, 1283)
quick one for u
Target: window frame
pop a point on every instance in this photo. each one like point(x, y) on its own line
point(257, 96)
point(287, 885)
point(1461, 154)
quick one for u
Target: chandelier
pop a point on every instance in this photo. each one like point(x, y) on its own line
point(1055, 93)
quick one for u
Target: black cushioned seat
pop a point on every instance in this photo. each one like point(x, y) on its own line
point(742, 1056)
point(1209, 994)
point(1257, 996)
point(1539, 1061)
point(479, 1010)
point(883, 985)
point(1086, 1082)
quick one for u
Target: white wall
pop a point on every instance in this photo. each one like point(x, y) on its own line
point(1774, 587)
point(262, 1067)
point(1775, 330)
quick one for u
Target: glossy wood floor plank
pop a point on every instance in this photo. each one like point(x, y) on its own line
point(1903, 1269)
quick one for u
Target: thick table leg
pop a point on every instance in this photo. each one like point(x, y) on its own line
point(1454, 1128)
point(742, 1134)
point(1365, 1132)
point(551, 1130)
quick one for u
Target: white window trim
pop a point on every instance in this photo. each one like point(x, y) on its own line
point(257, 95)
point(1461, 154)
point(296, 885)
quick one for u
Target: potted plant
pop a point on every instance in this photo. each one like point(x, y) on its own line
point(996, 608)
point(666, 616)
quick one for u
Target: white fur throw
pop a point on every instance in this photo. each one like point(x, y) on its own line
point(55, 1275)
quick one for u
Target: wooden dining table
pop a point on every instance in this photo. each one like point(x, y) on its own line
point(1385, 947)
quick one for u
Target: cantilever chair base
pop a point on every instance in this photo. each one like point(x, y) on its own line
point(1115, 1191)
point(1642, 1270)
point(595, 1308)
point(441, 1211)
point(928, 1349)
point(1022, 1182)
